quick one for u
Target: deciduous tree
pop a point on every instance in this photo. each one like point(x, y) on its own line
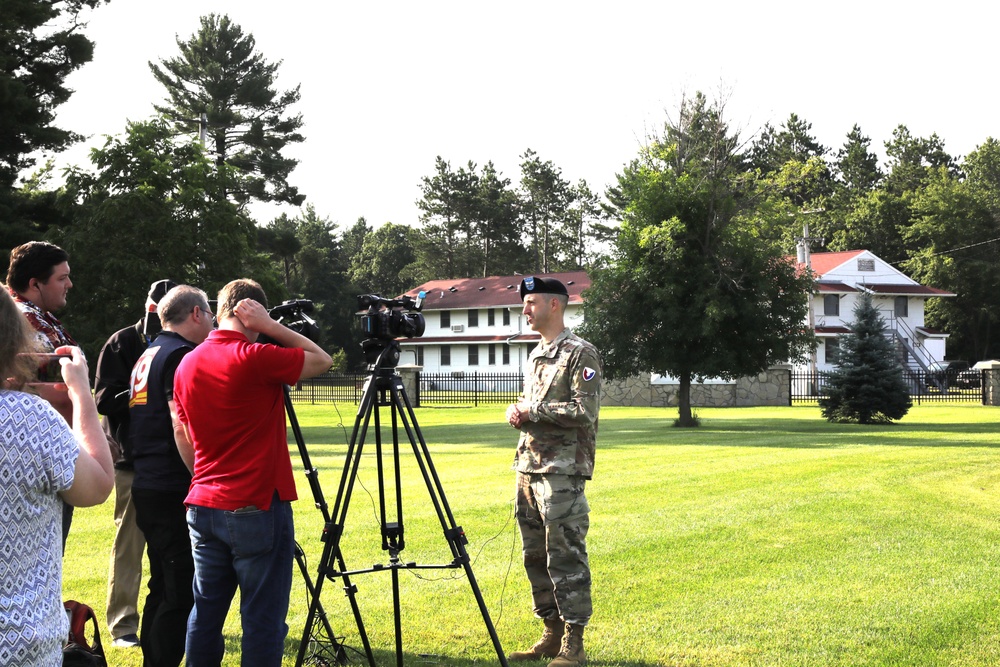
point(955, 236)
point(379, 267)
point(153, 194)
point(692, 290)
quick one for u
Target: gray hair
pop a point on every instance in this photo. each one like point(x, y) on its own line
point(176, 304)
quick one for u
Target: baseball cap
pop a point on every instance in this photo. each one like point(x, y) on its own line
point(159, 289)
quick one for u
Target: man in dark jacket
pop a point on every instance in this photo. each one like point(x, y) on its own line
point(114, 366)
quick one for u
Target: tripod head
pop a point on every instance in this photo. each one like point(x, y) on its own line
point(385, 320)
point(380, 354)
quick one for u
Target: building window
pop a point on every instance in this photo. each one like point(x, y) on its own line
point(506, 317)
point(445, 319)
point(473, 318)
point(832, 350)
point(491, 354)
point(446, 355)
point(490, 318)
point(902, 305)
point(866, 265)
point(831, 304)
point(420, 356)
point(473, 355)
point(505, 357)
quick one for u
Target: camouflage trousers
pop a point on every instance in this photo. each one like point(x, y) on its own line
point(553, 516)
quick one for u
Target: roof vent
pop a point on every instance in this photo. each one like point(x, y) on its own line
point(481, 289)
point(571, 282)
point(452, 289)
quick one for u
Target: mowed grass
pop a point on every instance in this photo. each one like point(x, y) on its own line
point(765, 537)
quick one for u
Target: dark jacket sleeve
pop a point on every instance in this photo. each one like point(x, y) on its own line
point(114, 368)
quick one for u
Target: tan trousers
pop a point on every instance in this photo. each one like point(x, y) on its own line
point(125, 570)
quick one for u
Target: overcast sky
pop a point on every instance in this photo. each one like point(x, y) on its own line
point(388, 86)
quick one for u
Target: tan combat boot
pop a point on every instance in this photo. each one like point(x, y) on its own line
point(571, 654)
point(546, 647)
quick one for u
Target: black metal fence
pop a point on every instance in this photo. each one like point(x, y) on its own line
point(498, 388)
point(330, 388)
point(432, 388)
point(466, 388)
point(925, 387)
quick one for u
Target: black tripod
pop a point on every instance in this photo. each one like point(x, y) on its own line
point(384, 387)
point(326, 650)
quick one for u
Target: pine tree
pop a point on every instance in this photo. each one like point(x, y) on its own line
point(868, 385)
point(249, 123)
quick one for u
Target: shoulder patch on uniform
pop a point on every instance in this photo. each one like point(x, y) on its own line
point(588, 373)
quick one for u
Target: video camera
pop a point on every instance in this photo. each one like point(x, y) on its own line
point(386, 318)
point(292, 314)
point(385, 321)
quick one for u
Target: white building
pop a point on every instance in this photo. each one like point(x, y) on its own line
point(475, 324)
point(841, 278)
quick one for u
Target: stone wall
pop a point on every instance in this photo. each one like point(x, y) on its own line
point(991, 384)
point(409, 373)
point(770, 387)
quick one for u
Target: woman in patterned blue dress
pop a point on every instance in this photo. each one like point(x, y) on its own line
point(42, 459)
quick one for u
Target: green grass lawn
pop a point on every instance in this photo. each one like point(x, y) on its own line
point(765, 537)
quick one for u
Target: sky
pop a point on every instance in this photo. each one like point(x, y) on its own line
point(387, 87)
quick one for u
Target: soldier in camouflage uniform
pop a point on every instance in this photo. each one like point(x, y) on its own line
point(557, 417)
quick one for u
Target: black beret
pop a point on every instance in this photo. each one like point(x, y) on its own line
point(159, 289)
point(533, 285)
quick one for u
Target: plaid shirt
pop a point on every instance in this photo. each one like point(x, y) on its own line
point(50, 331)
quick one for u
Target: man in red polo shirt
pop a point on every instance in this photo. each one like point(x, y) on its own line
point(230, 400)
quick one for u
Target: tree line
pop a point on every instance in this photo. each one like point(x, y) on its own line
point(169, 198)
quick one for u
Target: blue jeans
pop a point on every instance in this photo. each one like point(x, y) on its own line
point(250, 549)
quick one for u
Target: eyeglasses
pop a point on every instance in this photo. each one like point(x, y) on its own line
point(206, 311)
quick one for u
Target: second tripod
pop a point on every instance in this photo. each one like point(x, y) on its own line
point(384, 388)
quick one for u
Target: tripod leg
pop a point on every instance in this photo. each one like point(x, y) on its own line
point(333, 530)
point(300, 558)
point(454, 533)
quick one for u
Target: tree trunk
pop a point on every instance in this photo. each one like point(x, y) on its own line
point(684, 418)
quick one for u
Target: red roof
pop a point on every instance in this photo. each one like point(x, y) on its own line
point(836, 288)
point(492, 292)
point(824, 262)
point(832, 330)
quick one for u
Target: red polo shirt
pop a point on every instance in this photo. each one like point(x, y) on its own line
point(229, 393)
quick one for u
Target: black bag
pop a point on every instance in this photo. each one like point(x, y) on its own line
point(78, 650)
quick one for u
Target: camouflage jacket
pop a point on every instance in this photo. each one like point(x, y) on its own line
point(562, 388)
